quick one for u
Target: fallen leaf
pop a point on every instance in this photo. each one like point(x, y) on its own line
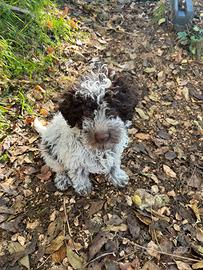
point(44, 112)
point(161, 21)
point(149, 70)
point(194, 181)
point(125, 266)
point(143, 199)
point(45, 174)
point(55, 244)
point(194, 206)
point(65, 11)
point(73, 24)
point(153, 250)
point(40, 89)
point(172, 121)
point(32, 225)
point(54, 228)
point(14, 247)
point(142, 136)
point(111, 265)
point(183, 265)
point(137, 200)
point(150, 266)
point(169, 171)
point(59, 255)
point(75, 260)
point(94, 266)
point(50, 50)
point(13, 225)
point(142, 114)
point(133, 226)
point(97, 243)
point(29, 120)
point(198, 265)
point(119, 228)
point(95, 207)
point(199, 234)
point(49, 24)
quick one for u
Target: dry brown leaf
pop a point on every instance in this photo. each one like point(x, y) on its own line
point(55, 244)
point(44, 112)
point(125, 266)
point(95, 207)
point(153, 250)
point(169, 171)
point(29, 120)
point(194, 206)
point(199, 234)
point(172, 121)
point(150, 266)
point(98, 242)
point(142, 136)
point(144, 219)
point(183, 265)
point(198, 265)
point(119, 228)
point(142, 114)
point(73, 245)
point(73, 24)
point(59, 255)
point(50, 50)
point(45, 174)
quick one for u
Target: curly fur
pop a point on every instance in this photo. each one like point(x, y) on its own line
point(88, 134)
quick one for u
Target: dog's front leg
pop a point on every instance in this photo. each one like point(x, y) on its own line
point(117, 176)
point(62, 180)
point(80, 180)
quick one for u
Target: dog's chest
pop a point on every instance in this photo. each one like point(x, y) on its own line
point(100, 163)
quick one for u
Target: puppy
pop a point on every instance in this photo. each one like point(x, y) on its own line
point(88, 134)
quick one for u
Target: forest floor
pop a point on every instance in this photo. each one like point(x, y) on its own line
point(155, 222)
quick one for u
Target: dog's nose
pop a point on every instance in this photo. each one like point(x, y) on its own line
point(102, 137)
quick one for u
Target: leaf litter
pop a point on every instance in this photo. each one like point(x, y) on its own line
point(165, 149)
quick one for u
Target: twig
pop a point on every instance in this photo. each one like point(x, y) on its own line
point(43, 262)
point(161, 252)
point(67, 221)
point(99, 257)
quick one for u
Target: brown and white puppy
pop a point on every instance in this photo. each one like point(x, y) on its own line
point(88, 134)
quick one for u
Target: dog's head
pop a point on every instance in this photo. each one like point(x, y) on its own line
point(100, 107)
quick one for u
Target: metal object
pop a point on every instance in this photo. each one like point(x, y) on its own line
point(182, 12)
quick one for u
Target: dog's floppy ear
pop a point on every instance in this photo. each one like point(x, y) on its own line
point(122, 97)
point(71, 109)
point(75, 108)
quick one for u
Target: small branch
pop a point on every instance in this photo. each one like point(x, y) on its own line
point(99, 257)
point(43, 262)
point(161, 252)
point(66, 215)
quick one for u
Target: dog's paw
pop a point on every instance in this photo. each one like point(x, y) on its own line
point(62, 182)
point(119, 178)
point(83, 188)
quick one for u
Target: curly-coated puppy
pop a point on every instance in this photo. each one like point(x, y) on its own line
point(88, 134)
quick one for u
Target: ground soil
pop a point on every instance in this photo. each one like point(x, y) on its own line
point(163, 158)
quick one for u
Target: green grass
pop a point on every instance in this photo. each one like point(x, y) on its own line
point(25, 38)
point(30, 43)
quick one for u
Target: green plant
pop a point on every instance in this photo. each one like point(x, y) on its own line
point(193, 40)
point(159, 12)
point(26, 36)
point(22, 101)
